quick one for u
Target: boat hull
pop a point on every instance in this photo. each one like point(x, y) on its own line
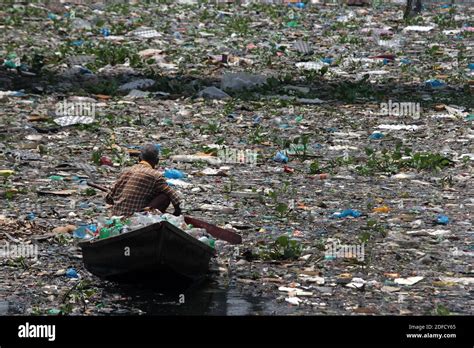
point(160, 253)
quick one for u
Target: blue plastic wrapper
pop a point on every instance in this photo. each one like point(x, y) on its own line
point(442, 219)
point(31, 216)
point(105, 31)
point(405, 61)
point(174, 174)
point(346, 213)
point(471, 66)
point(77, 43)
point(376, 136)
point(280, 157)
point(435, 83)
point(297, 5)
point(327, 60)
point(72, 273)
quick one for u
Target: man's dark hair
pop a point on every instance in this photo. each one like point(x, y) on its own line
point(149, 153)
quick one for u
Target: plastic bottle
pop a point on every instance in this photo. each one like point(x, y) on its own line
point(115, 228)
point(103, 221)
point(136, 220)
point(84, 231)
point(104, 233)
point(208, 241)
point(196, 232)
point(80, 232)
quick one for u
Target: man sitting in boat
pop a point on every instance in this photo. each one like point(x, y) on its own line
point(141, 187)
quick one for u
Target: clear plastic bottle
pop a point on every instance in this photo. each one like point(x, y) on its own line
point(196, 232)
point(85, 231)
point(208, 241)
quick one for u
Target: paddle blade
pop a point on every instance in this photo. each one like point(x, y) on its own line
point(216, 232)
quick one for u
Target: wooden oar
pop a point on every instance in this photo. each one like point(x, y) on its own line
point(213, 230)
point(94, 185)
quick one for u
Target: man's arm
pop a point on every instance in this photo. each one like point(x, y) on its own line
point(162, 186)
point(110, 194)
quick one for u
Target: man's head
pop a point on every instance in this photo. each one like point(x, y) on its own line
point(150, 154)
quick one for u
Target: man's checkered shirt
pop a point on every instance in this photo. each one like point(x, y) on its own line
point(136, 188)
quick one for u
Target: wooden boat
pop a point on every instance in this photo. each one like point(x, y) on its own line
point(160, 253)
